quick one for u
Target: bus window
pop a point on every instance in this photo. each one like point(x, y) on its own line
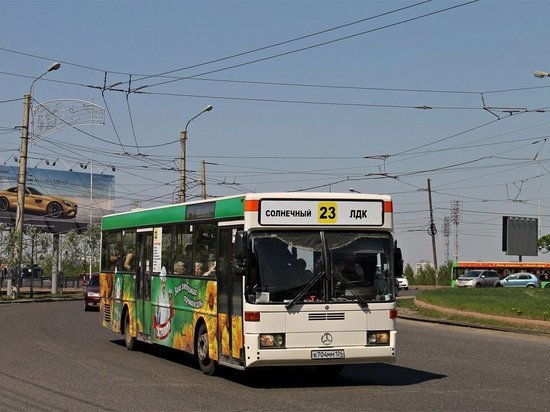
point(182, 251)
point(128, 262)
point(167, 242)
point(204, 249)
point(112, 251)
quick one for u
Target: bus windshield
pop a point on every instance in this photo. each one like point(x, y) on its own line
point(320, 266)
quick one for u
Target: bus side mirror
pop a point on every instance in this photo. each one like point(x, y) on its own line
point(239, 245)
point(398, 262)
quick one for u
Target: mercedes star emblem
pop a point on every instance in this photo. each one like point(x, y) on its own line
point(326, 339)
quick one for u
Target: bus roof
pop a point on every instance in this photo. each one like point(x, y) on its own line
point(230, 207)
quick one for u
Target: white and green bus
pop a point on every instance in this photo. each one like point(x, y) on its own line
point(261, 279)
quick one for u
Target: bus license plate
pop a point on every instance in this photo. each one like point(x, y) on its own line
point(328, 354)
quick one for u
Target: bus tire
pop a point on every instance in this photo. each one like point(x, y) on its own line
point(206, 365)
point(129, 340)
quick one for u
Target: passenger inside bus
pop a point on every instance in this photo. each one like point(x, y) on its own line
point(179, 268)
point(211, 266)
point(128, 261)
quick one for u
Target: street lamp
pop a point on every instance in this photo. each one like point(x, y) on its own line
point(183, 140)
point(22, 176)
point(540, 74)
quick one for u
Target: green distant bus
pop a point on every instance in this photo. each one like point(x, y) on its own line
point(541, 269)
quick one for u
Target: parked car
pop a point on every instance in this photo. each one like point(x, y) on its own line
point(402, 282)
point(520, 280)
point(38, 203)
point(478, 278)
point(91, 293)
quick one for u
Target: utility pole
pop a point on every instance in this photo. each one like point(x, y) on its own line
point(55, 262)
point(183, 141)
point(203, 179)
point(456, 205)
point(433, 232)
point(22, 179)
point(446, 234)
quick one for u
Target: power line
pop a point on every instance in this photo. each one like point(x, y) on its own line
point(318, 44)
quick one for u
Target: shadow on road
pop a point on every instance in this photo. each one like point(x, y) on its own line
point(374, 374)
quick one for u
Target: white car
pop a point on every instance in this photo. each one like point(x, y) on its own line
point(402, 282)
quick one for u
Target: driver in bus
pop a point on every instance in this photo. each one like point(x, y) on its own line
point(350, 270)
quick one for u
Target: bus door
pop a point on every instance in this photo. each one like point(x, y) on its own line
point(144, 270)
point(230, 301)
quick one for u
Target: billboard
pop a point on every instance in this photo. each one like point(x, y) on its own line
point(57, 201)
point(519, 236)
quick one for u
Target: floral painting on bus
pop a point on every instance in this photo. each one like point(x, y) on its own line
point(170, 317)
point(176, 306)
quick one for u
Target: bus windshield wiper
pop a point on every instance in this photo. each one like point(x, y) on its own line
point(302, 292)
point(348, 285)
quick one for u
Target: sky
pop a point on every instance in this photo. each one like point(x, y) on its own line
point(317, 96)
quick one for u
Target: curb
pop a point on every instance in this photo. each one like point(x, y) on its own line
point(50, 299)
point(472, 325)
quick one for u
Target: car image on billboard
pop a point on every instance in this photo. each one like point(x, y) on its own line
point(38, 203)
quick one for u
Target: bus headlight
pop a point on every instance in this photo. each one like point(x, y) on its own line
point(378, 338)
point(272, 340)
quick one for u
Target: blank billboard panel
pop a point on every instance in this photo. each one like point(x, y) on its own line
point(519, 235)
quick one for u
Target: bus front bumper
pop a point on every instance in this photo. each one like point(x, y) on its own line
point(317, 356)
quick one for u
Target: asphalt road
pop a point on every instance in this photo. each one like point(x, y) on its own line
point(55, 356)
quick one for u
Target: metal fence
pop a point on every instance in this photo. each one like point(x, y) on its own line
point(42, 284)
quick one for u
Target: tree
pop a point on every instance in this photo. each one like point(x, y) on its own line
point(78, 249)
point(7, 239)
point(544, 244)
point(425, 275)
point(408, 272)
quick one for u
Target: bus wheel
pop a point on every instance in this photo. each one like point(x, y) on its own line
point(129, 340)
point(206, 364)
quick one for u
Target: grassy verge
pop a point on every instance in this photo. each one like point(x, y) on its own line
point(520, 303)
point(524, 303)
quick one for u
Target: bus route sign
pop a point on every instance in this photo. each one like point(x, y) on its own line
point(275, 212)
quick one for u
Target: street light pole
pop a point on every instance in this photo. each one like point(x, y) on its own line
point(183, 141)
point(539, 74)
point(22, 177)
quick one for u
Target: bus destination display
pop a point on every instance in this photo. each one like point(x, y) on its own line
point(321, 212)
